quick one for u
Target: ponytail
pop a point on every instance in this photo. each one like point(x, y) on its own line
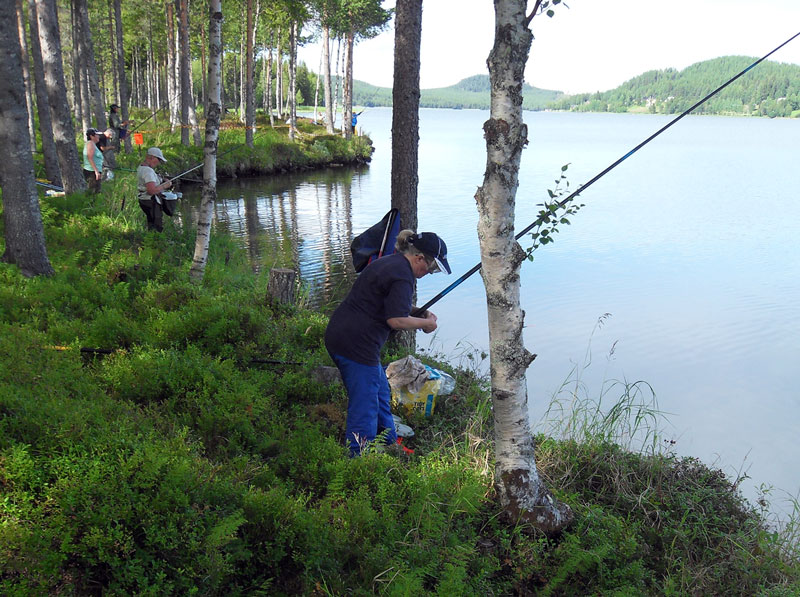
point(405, 243)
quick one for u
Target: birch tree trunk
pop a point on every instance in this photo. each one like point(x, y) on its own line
point(250, 100)
point(520, 490)
point(347, 97)
point(23, 230)
point(172, 70)
point(279, 77)
point(292, 95)
point(209, 195)
point(326, 65)
point(63, 131)
point(268, 91)
point(51, 167)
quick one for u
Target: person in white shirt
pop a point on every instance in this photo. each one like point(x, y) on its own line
point(150, 184)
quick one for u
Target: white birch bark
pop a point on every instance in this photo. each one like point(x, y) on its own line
point(520, 490)
point(326, 65)
point(347, 99)
point(172, 68)
point(249, 91)
point(292, 95)
point(209, 195)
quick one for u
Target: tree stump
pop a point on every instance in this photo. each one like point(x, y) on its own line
point(280, 289)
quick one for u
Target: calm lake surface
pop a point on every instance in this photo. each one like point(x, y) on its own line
point(681, 271)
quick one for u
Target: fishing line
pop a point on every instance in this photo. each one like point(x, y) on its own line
point(597, 177)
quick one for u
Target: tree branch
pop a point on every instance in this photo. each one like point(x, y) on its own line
point(533, 12)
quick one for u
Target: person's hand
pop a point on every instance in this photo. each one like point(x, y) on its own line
point(97, 175)
point(166, 184)
point(430, 322)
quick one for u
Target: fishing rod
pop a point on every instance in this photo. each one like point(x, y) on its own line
point(50, 186)
point(175, 99)
point(563, 202)
point(236, 147)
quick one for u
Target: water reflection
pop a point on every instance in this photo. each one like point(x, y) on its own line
point(299, 221)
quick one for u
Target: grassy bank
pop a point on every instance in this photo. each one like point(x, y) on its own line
point(272, 152)
point(177, 463)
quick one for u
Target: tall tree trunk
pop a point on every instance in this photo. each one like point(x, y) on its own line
point(24, 233)
point(124, 98)
point(250, 105)
point(268, 92)
point(112, 37)
point(405, 111)
point(184, 60)
point(405, 124)
point(198, 138)
point(172, 67)
point(240, 87)
point(203, 70)
point(93, 80)
point(292, 95)
point(63, 131)
point(347, 99)
point(136, 78)
point(51, 167)
point(26, 71)
point(520, 490)
point(279, 77)
point(326, 65)
point(77, 73)
point(152, 81)
point(209, 196)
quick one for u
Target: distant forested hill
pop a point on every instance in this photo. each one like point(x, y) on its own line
point(770, 89)
point(468, 93)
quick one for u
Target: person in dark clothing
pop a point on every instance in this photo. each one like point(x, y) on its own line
point(379, 302)
point(119, 126)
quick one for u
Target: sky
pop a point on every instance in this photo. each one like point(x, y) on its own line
point(588, 45)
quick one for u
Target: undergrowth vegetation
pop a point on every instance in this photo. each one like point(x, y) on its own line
point(146, 448)
point(272, 151)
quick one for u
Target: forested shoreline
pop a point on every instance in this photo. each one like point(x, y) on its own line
point(772, 89)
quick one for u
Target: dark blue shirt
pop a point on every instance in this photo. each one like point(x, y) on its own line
point(357, 329)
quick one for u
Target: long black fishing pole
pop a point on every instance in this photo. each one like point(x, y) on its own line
point(175, 99)
point(597, 177)
point(236, 147)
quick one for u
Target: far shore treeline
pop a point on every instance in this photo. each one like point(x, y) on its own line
point(772, 89)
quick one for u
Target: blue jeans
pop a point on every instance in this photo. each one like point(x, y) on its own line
point(369, 405)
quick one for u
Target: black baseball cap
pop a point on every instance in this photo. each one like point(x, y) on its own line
point(432, 246)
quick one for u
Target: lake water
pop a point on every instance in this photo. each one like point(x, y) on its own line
point(681, 271)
